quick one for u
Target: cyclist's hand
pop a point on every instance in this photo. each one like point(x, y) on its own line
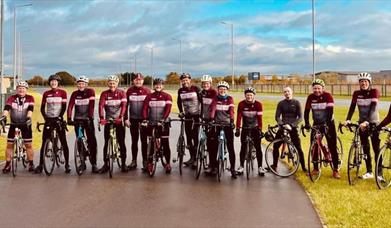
point(118, 121)
point(287, 127)
point(127, 123)
point(364, 125)
point(211, 122)
point(181, 115)
point(144, 123)
point(28, 121)
point(3, 120)
point(70, 122)
point(237, 132)
point(102, 122)
point(347, 122)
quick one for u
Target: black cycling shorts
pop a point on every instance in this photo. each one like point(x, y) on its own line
point(27, 133)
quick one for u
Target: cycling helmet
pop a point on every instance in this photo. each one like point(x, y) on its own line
point(54, 77)
point(249, 90)
point(113, 78)
point(82, 78)
point(269, 136)
point(158, 81)
point(137, 76)
point(22, 84)
point(223, 84)
point(365, 76)
point(185, 75)
point(206, 78)
point(318, 81)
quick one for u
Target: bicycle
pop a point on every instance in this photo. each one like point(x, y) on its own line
point(221, 150)
point(81, 147)
point(202, 154)
point(155, 151)
point(319, 153)
point(383, 163)
point(53, 153)
point(19, 152)
point(181, 144)
point(250, 152)
point(113, 153)
point(356, 154)
point(286, 153)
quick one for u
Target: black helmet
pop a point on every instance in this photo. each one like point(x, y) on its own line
point(54, 77)
point(158, 81)
point(185, 75)
point(137, 75)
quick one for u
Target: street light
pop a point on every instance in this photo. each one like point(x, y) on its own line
point(151, 65)
point(313, 39)
point(16, 7)
point(180, 54)
point(232, 51)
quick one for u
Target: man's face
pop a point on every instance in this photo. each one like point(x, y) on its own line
point(364, 84)
point(21, 91)
point(222, 90)
point(53, 84)
point(158, 87)
point(112, 85)
point(288, 93)
point(317, 90)
point(205, 85)
point(81, 85)
point(138, 82)
point(186, 82)
point(249, 97)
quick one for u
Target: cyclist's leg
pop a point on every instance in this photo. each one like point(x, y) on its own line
point(315, 155)
point(297, 143)
point(229, 134)
point(27, 135)
point(10, 143)
point(64, 144)
point(243, 145)
point(106, 137)
point(45, 135)
point(120, 130)
point(134, 133)
point(165, 134)
point(189, 139)
point(375, 144)
point(91, 140)
point(257, 145)
point(212, 144)
point(366, 149)
point(195, 133)
point(331, 138)
point(144, 144)
point(276, 148)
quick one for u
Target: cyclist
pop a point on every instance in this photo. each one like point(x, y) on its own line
point(222, 111)
point(20, 107)
point(156, 109)
point(112, 105)
point(288, 114)
point(136, 95)
point(83, 100)
point(322, 105)
point(250, 110)
point(366, 98)
point(189, 105)
point(53, 106)
point(208, 94)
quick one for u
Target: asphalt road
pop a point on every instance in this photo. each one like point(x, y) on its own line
point(134, 199)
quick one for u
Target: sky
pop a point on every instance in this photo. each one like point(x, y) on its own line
point(98, 38)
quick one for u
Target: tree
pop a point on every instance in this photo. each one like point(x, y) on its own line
point(66, 78)
point(147, 80)
point(36, 80)
point(172, 78)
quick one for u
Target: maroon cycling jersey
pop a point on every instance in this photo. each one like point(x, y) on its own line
point(189, 100)
point(207, 98)
point(157, 106)
point(113, 103)
point(53, 103)
point(251, 112)
point(136, 97)
point(84, 104)
point(18, 107)
point(386, 120)
point(321, 106)
point(222, 109)
point(367, 101)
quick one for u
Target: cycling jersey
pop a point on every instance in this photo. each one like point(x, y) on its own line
point(288, 112)
point(136, 97)
point(18, 107)
point(189, 100)
point(113, 103)
point(84, 103)
point(222, 109)
point(366, 101)
point(207, 98)
point(251, 112)
point(321, 106)
point(386, 120)
point(53, 103)
point(157, 106)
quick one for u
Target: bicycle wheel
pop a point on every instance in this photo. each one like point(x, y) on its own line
point(181, 152)
point(14, 160)
point(117, 155)
point(288, 158)
point(200, 158)
point(383, 168)
point(314, 162)
point(79, 156)
point(248, 160)
point(354, 163)
point(340, 153)
point(24, 157)
point(205, 159)
point(111, 157)
point(220, 160)
point(49, 157)
point(151, 167)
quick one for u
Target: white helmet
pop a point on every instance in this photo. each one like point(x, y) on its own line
point(223, 84)
point(365, 76)
point(113, 78)
point(206, 78)
point(82, 78)
point(22, 84)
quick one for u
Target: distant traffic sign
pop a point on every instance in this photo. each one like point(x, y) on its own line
point(254, 75)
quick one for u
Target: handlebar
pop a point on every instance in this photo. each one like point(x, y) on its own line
point(61, 124)
point(349, 126)
point(314, 127)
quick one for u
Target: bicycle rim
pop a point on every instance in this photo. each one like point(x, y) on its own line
point(181, 152)
point(111, 158)
point(314, 164)
point(383, 168)
point(200, 158)
point(248, 161)
point(117, 155)
point(340, 152)
point(14, 161)
point(24, 157)
point(49, 157)
point(78, 157)
point(354, 163)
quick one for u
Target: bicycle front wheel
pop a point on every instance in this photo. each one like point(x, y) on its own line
point(49, 157)
point(286, 155)
point(248, 160)
point(111, 157)
point(221, 162)
point(79, 156)
point(340, 153)
point(181, 152)
point(383, 168)
point(354, 163)
point(314, 162)
point(151, 167)
point(200, 158)
point(14, 160)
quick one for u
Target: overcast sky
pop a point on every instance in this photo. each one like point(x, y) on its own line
point(97, 38)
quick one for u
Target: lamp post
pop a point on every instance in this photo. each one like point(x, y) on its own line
point(232, 52)
point(180, 54)
point(313, 39)
point(151, 65)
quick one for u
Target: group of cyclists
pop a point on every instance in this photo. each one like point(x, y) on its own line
point(139, 106)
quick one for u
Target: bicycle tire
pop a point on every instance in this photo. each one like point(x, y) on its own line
point(49, 157)
point(288, 158)
point(14, 160)
point(111, 157)
point(340, 153)
point(78, 156)
point(248, 160)
point(181, 152)
point(205, 159)
point(312, 163)
point(354, 164)
point(220, 161)
point(383, 168)
point(24, 156)
point(200, 158)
